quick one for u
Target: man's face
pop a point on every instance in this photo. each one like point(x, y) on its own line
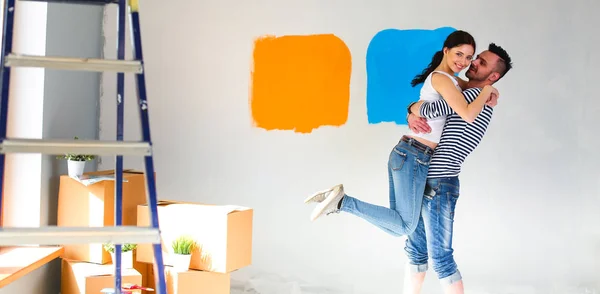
point(482, 67)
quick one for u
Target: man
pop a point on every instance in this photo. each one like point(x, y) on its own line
point(433, 234)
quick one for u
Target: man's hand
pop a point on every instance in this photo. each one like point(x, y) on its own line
point(493, 99)
point(418, 124)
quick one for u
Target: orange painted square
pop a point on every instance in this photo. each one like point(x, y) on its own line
point(300, 82)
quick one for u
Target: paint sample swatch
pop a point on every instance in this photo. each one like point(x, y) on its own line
point(394, 58)
point(300, 83)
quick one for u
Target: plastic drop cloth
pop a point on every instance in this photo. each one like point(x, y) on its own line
point(253, 281)
point(260, 282)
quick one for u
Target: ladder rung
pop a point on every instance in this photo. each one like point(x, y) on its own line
point(90, 147)
point(54, 235)
point(89, 2)
point(73, 63)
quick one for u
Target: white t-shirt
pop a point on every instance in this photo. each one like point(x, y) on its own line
point(428, 93)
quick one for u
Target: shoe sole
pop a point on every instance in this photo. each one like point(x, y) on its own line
point(318, 211)
point(311, 198)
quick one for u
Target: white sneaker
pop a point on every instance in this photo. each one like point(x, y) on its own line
point(321, 195)
point(330, 203)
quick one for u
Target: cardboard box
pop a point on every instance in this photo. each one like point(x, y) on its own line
point(148, 278)
point(223, 234)
point(192, 281)
point(94, 206)
point(89, 278)
point(143, 269)
point(197, 282)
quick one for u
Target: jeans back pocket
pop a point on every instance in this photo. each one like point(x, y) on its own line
point(397, 159)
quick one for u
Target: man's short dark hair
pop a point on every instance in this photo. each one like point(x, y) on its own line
point(504, 63)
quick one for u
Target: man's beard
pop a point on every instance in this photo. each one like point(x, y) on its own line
point(470, 75)
point(473, 76)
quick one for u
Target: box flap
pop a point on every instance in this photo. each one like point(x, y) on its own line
point(201, 207)
point(91, 178)
point(112, 172)
point(86, 269)
point(235, 208)
point(195, 209)
point(88, 180)
point(162, 203)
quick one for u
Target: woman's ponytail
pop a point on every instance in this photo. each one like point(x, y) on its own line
point(435, 62)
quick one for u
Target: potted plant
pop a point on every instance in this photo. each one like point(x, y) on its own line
point(76, 162)
point(126, 254)
point(182, 252)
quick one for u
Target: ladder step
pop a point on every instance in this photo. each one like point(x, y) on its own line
point(54, 235)
point(73, 63)
point(90, 147)
point(88, 2)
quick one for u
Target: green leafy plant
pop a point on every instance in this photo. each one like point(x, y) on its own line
point(77, 157)
point(183, 245)
point(110, 247)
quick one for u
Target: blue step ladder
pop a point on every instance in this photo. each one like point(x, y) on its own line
point(118, 234)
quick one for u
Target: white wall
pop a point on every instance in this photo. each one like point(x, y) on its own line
point(76, 31)
point(529, 196)
point(25, 111)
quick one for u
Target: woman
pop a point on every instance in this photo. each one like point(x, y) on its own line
point(409, 160)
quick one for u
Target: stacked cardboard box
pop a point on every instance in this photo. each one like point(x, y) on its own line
point(85, 278)
point(223, 237)
point(90, 202)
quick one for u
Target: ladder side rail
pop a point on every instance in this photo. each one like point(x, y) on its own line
point(140, 78)
point(7, 44)
point(121, 20)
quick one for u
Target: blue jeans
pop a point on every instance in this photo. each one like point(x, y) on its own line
point(407, 170)
point(433, 234)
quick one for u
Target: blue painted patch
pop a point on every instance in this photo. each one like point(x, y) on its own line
point(394, 58)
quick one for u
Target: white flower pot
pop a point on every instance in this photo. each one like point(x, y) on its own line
point(126, 259)
point(181, 262)
point(76, 168)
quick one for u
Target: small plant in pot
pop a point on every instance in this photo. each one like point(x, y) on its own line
point(126, 254)
point(182, 252)
point(76, 162)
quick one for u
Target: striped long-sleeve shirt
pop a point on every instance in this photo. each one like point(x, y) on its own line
point(459, 138)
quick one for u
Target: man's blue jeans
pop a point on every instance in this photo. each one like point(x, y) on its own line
point(407, 169)
point(433, 235)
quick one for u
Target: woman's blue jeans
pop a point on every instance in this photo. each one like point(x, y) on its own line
point(408, 165)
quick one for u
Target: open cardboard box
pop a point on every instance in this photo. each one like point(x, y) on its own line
point(223, 234)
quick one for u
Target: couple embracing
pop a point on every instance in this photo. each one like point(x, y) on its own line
point(446, 124)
